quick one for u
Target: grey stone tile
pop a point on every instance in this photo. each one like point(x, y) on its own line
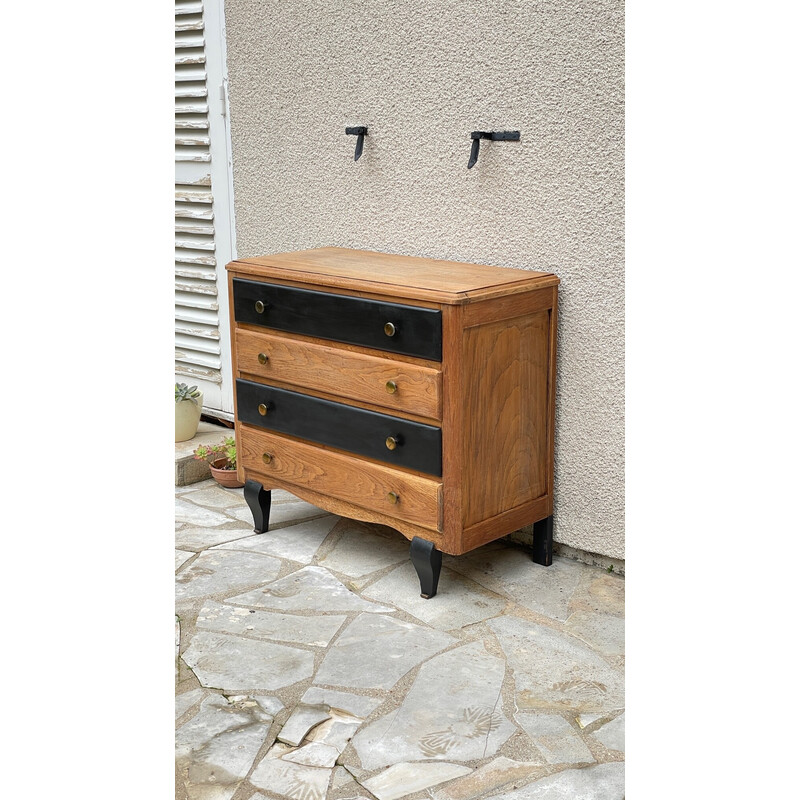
point(300, 722)
point(375, 651)
point(308, 589)
point(183, 702)
point(403, 779)
point(335, 732)
point(612, 734)
point(453, 711)
point(341, 777)
point(363, 549)
point(197, 515)
point(268, 704)
point(181, 557)
point(600, 782)
point(556, 671)
point(459, 602)
point(555, 739)
point(603, 632)
point(223, 570)
point(191, 537)
point(494, 775)
point(216, 748)
point(281, 514)
point(355, 704)
point(293, 781)
point(296, 542)
point(314, 754)
point(215, 496)
point(233, 663)
point(316, 631)
point(584, 720)
point(601, 593)
point(511, 573)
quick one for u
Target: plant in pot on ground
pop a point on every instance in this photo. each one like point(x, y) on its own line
point(221, 459)
point(188, 407)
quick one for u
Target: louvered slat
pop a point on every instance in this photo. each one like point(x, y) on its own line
point(200, 230)
point(192, 141)
point(194, 213)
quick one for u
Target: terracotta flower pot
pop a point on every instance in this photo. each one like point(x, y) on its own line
point(224, 477)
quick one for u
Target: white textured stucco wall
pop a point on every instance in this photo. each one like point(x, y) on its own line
point(422, 75)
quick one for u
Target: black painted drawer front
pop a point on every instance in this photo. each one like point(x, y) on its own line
point(418, 331)
point(346, 427)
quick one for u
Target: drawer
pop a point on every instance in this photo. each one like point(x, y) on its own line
point(366, 433)
point(410, 330)
point(331, 369)
point(388, 491)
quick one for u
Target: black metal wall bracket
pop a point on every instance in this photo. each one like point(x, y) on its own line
point(495, 136)
point(361, 132)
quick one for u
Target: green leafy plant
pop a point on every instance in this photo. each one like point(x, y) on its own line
point(211, 452)
point(184, 392)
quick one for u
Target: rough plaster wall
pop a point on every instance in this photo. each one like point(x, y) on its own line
point(422, 75)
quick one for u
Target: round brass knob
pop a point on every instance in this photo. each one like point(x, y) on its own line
point(391, 387)
point(260, 306)
point(263, 358)
point(263, 408)
point(393, 498)
point(266, 458)
point(392, 442)
point(389, 329)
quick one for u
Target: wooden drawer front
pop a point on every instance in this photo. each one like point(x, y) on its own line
point(417, 331)
point(416, 499)
point(338, 425)
point(331, 369)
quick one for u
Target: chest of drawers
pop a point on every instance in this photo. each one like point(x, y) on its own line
point(411, 392)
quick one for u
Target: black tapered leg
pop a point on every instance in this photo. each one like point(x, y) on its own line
point(543, 541)
point(259, 499)
point(427, 561)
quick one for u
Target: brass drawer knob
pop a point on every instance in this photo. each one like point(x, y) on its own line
point(391, 387)
point(263, 408)
point(393, 498)
point(260, 306)
point(392, 442)
point(263, 358)
point(389, 329)
point(266, 458)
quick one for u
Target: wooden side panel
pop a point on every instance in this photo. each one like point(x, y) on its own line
point(453, 393)
point(506, 411)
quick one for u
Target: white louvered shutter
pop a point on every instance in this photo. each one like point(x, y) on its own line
point(203, 212)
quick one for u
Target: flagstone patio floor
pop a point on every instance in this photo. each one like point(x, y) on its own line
point(308, 666)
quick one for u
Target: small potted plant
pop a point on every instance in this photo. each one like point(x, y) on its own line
point(188, 407)
point(221, 459)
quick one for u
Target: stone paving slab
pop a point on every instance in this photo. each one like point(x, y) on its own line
point(452, 712)
point(459, 602)
point(554, 670)
point(222, 570)
point(363, 549)
point(308, 589)
point(375, 651)
point(234, 663)
point(600, 782)
point(298, 542)
point(403, 779)
point(312, 631)
point(512, 675)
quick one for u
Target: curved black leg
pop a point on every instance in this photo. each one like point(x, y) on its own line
point(543, 541)
point(427, 561)
point(259, 500)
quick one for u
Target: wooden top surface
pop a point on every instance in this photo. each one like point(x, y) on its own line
point(450, 282)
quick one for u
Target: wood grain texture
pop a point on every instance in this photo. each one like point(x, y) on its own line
point(505, 415)
point(492, 528)
point(342, 476)
point(448, 282)
point(345, 374)
point(453, 394)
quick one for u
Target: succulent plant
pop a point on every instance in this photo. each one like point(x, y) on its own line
point(184, 392)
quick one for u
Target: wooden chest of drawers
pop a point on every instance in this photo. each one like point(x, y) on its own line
point(411, 392)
